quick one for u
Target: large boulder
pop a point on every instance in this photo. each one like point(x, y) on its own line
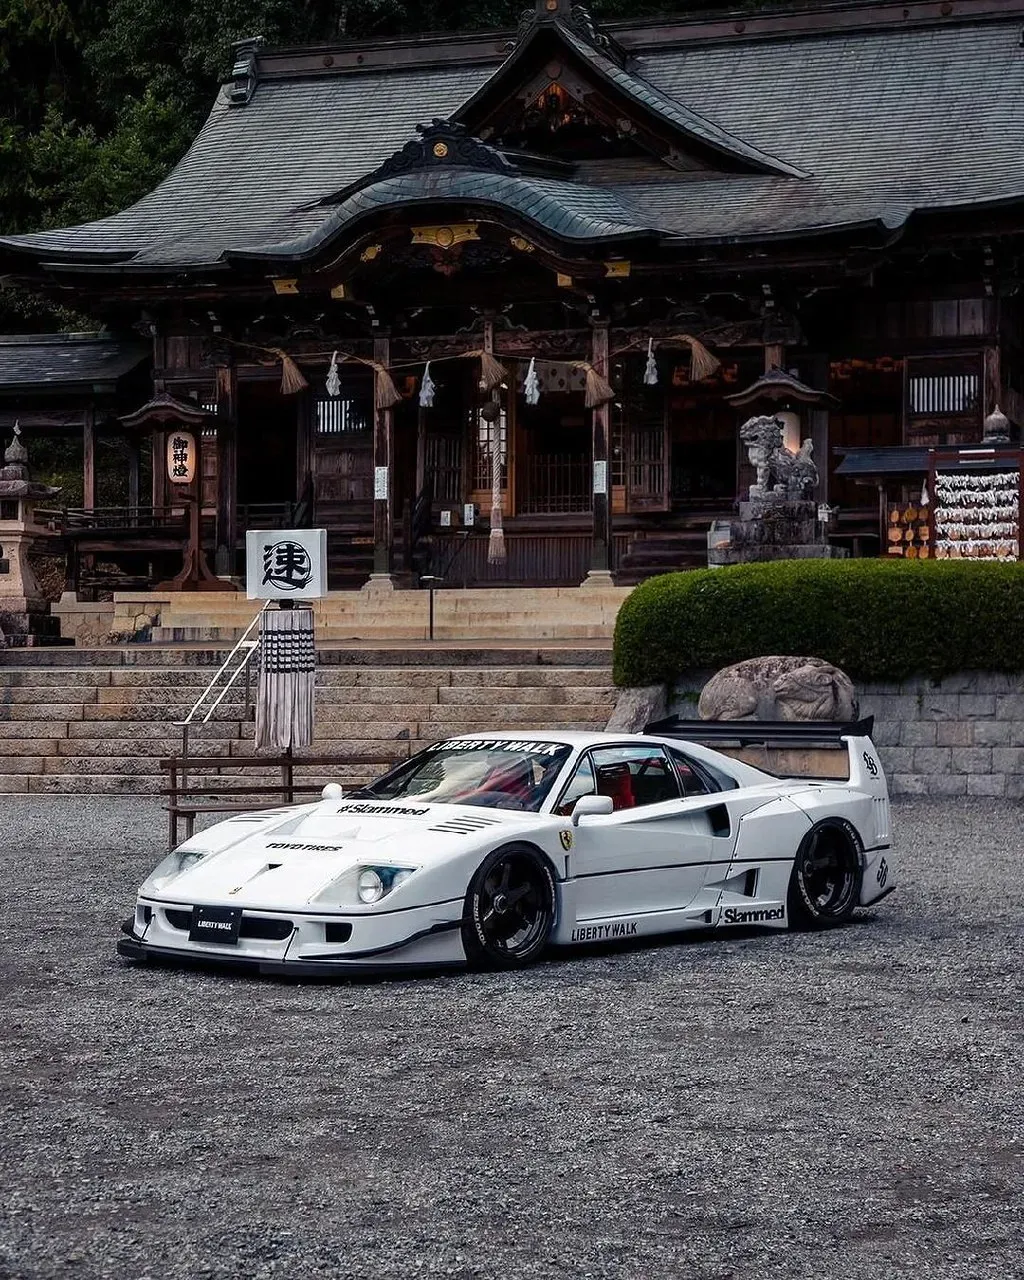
point(779, 688)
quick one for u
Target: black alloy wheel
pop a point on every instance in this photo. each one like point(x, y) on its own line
point(510, 909)
point(824, 887)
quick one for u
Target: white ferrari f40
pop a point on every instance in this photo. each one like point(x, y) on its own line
point(485, 850)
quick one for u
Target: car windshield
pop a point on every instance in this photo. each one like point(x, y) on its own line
point(506, 774)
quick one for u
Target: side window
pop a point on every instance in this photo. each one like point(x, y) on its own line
point(634, 776)
point(700, 779)
point(580, 784)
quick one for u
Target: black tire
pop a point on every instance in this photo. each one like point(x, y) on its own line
point(824, 887)
point(510, 909)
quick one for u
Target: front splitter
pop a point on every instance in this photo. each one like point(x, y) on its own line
point(146, 953)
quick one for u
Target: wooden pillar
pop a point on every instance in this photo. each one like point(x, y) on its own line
point(134, 469)
point(89, 459)
point(774, 356)
point(421, 451)
point(305, 441)
point(227, 470)
point(993, 379)
point(383, 473)
point(818, 425)
point(158, 459)
point(601, 540)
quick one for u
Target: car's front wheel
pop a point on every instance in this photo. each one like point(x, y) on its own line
point(824, 887)
point(510, 909)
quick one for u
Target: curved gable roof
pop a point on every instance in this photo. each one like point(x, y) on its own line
point(887, 121)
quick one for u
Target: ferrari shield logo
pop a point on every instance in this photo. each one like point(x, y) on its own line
point(566, 839)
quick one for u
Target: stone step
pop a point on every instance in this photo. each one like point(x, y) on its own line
point(96, 784)
point(20, 730)
point(532, 677)
point(591, 653)
point(40, 678)
point(12, 749)
point(40, 709)
point(595, 696)
point(21, 695)
point(501, 718)
point(127, 727)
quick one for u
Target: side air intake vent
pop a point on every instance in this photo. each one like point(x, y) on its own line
point(719, 819)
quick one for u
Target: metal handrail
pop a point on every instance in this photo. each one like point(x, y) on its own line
point(243, 642)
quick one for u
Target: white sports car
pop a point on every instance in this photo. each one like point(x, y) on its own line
point(485, 850)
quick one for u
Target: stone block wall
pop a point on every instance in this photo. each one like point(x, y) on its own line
point(959, 736)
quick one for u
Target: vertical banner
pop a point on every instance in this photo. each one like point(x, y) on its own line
point(287, 680)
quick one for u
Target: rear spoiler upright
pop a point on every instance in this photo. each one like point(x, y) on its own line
point(788, 733)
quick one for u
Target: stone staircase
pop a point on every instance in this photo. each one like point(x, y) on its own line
point(504, 615)
point(100, 721)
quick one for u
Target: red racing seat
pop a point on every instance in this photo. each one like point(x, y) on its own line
point(615, 780)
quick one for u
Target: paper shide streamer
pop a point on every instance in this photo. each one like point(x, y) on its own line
point(427, 389)
point(334, 378)
point(531, 386)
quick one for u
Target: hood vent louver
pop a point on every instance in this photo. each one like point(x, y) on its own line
point(465, 826)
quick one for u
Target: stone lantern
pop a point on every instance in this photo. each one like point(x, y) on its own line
point(23, 608)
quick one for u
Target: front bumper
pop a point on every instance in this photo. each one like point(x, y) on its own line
point(415, 938)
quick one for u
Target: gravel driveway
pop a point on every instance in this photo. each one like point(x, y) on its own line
point(838, 1106)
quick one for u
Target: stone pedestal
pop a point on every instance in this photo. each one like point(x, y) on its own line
point(774, 528)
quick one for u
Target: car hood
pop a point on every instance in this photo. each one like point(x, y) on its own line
point(266, 860)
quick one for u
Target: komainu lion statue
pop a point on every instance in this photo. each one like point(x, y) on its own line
point(779, 471)
point(779, 688)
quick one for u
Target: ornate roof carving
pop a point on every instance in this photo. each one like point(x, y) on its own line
point(441, 143)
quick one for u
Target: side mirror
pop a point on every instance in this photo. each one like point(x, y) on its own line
point(587, 806)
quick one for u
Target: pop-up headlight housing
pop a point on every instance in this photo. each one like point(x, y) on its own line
point(364, 885)
point(174, 865)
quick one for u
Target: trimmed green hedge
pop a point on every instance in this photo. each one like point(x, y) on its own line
point(876, 619)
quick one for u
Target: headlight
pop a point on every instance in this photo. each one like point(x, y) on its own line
point(370, 886)
point(174, 865)
point(365, 884)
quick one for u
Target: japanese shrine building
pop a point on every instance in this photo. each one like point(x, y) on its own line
point(660, 212)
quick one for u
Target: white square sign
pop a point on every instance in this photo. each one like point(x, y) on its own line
point(286, 564)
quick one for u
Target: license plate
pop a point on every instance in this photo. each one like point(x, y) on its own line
point(215, 924)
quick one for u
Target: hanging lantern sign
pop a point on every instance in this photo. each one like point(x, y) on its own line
point(181, 457)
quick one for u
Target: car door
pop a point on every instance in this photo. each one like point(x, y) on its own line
point(653, 851)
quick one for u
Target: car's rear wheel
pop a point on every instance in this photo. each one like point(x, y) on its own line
point(510, 909)
point(824, 887)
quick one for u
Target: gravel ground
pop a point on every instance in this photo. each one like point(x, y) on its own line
point(838, 1106)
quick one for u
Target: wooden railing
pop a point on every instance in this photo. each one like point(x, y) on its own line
point(84, 521)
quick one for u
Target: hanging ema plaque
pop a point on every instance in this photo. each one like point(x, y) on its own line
point(181, 457)
point(976, 511)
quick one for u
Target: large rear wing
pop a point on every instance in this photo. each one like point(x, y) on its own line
point(744, 733)
point(827, 749)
